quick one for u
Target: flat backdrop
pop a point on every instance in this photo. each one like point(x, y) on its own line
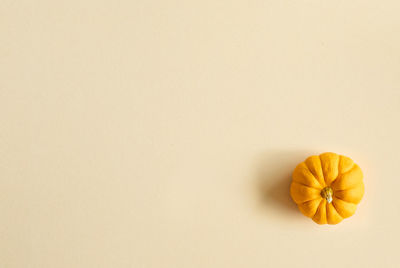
point(162, 134)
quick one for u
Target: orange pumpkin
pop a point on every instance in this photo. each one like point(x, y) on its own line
point(327, 188)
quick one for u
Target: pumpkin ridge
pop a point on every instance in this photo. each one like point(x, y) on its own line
point(315, 178)
point(309, 208)
point(329, 160)
point(352, 165)
point(317, 208)
point(322, 219)
point(349, 208)
point(316, 175)
point(338, 174)
point(328, 213)
point(352, 187)
point(350, 170)
point(346, 201)
point(323, 175)
point(303, 171)
point(352, 195)
point(301, 193)
point(337, 184)
point(309, 200)
point(306, 185)
point(333, 205)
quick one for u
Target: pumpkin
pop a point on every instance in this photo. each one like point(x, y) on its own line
point(327, 188)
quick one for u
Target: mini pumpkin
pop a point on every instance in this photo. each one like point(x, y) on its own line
point(327, 188)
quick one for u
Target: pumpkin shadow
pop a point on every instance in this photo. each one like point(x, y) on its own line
point(274, 176)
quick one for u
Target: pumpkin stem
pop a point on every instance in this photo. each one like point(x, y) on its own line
point(327, 193)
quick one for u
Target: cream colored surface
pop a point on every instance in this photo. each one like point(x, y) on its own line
point(163, 133)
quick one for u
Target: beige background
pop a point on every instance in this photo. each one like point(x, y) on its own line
point(163, 133)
